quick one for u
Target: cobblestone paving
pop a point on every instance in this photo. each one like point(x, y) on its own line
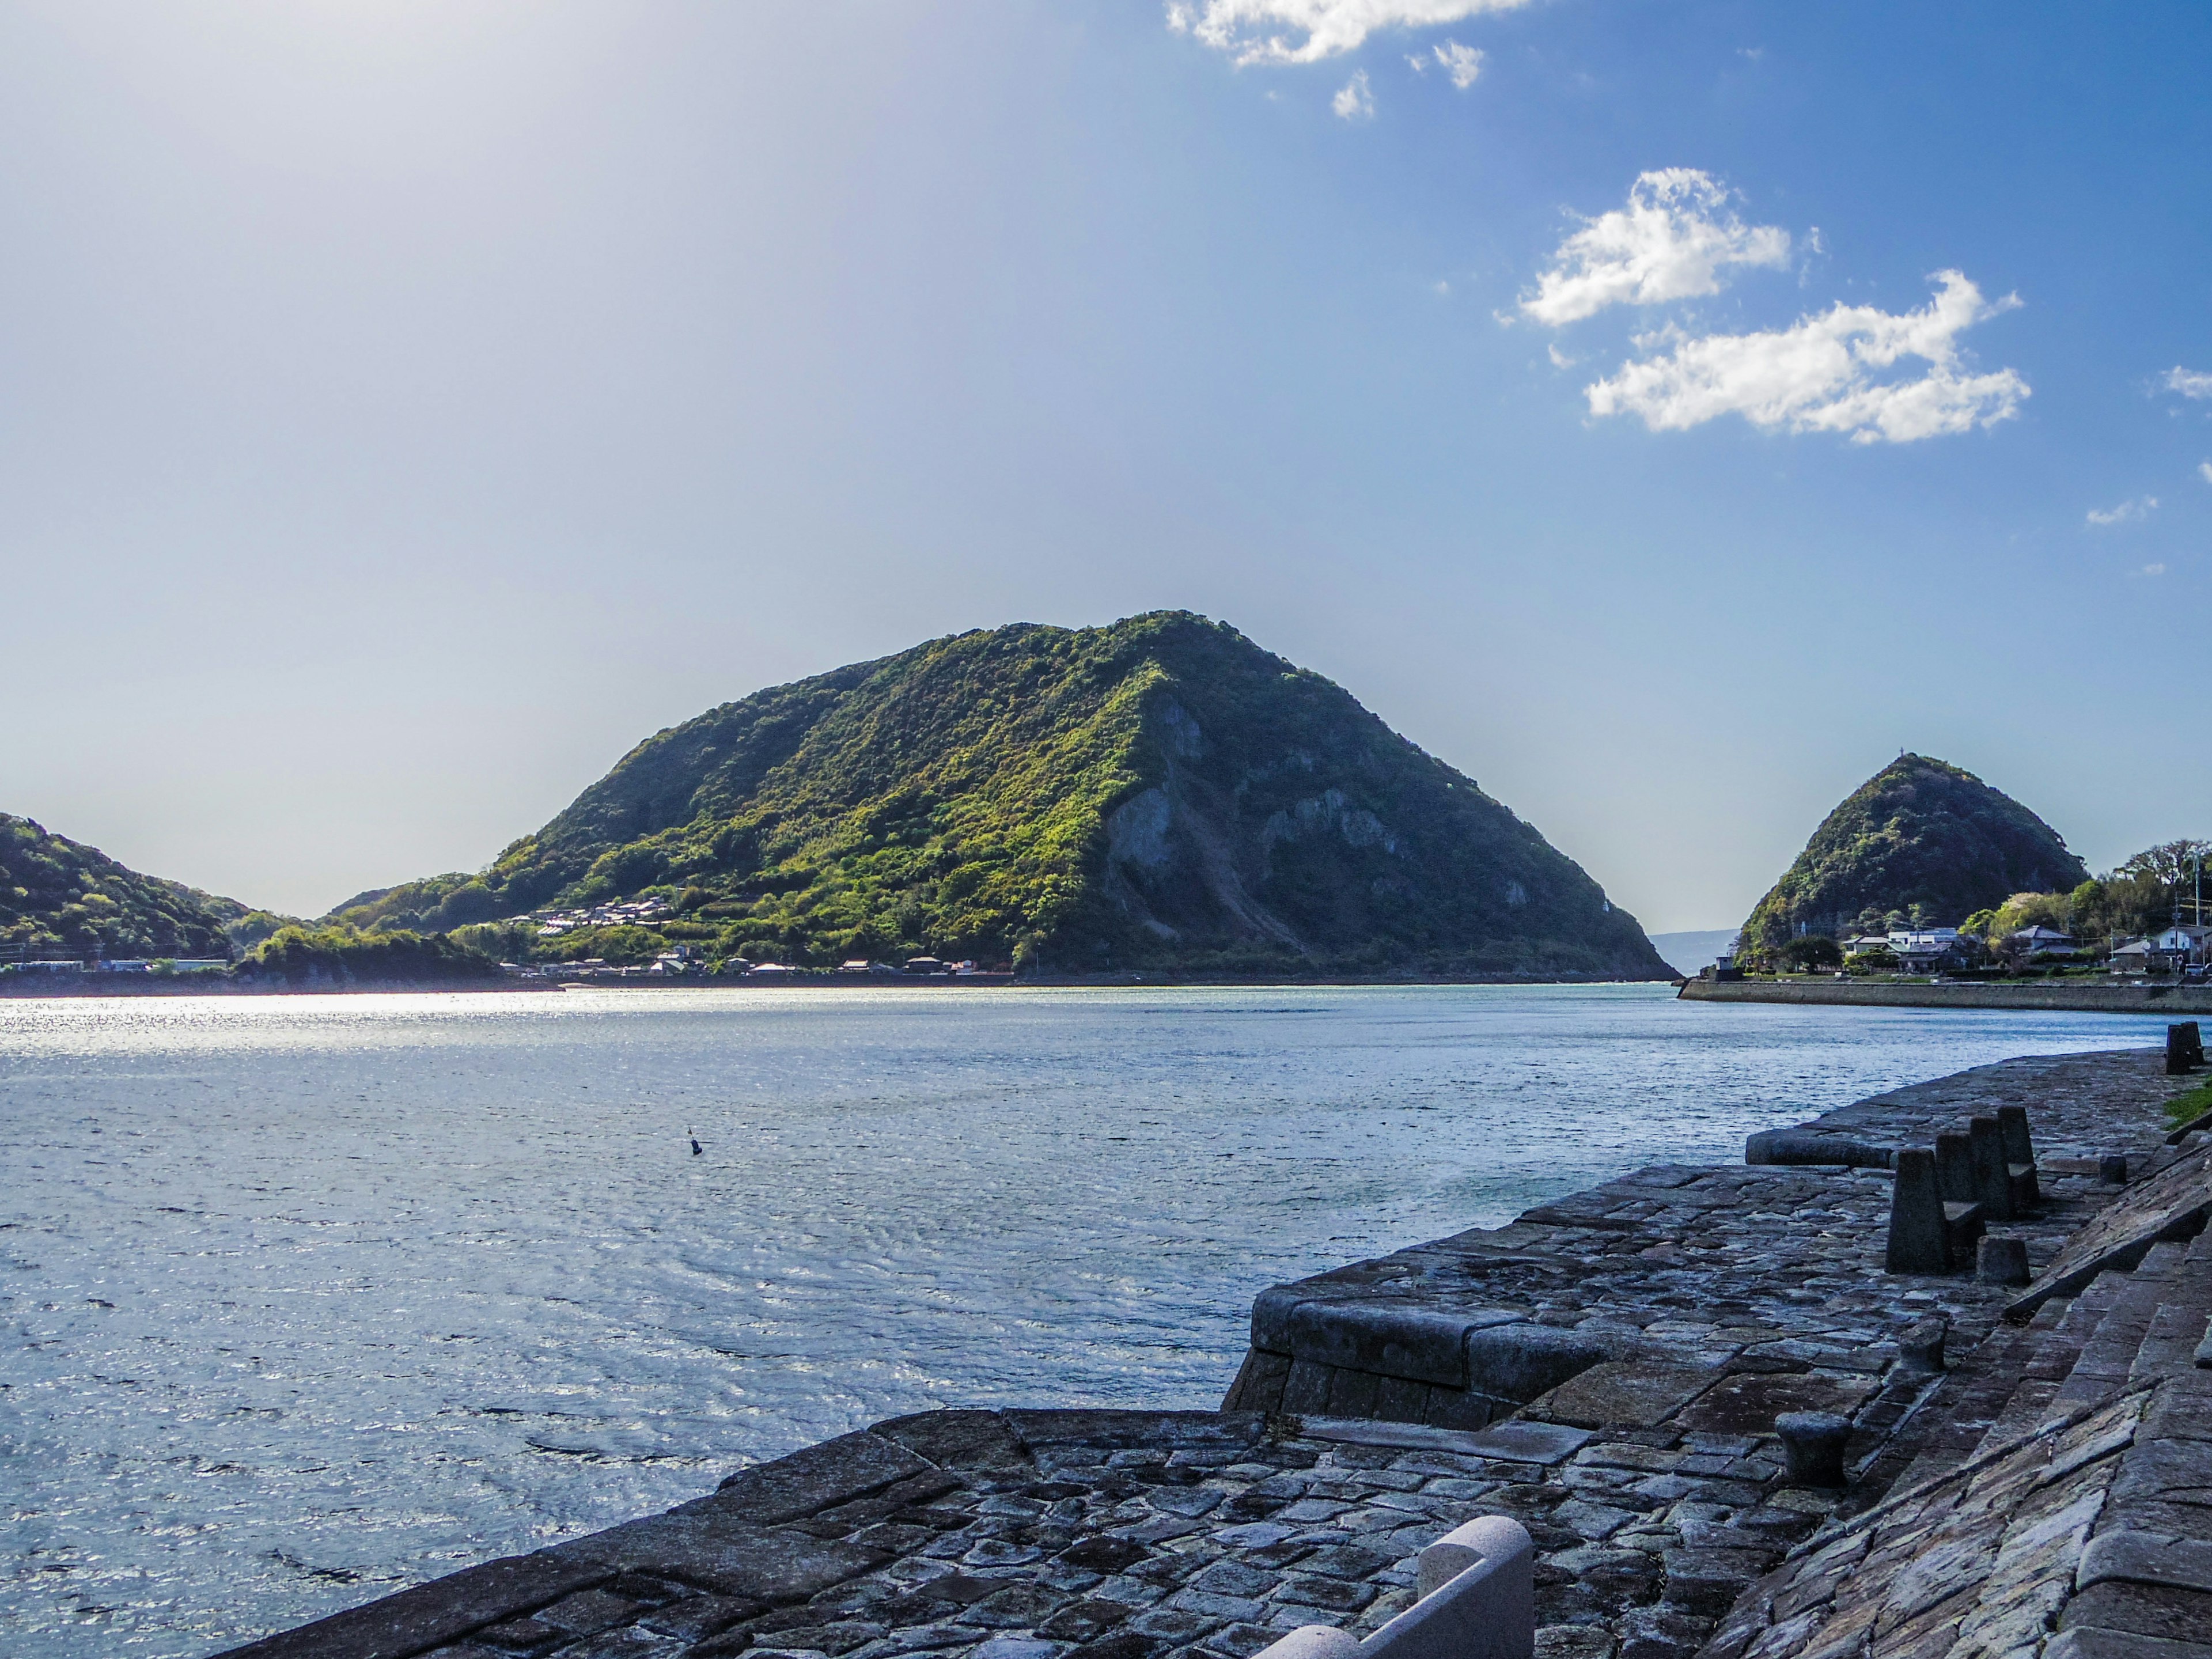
point(1650, 1480)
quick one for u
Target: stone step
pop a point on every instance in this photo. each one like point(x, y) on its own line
point(2110, 1355)
point(2086, 1311)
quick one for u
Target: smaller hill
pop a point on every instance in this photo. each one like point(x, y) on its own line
point(1920, 836)
point(61, 898)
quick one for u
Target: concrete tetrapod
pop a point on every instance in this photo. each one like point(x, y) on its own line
point(1477, 1585)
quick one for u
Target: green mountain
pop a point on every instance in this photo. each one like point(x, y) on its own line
point(1156, 794)
point(1922, 837)
point(61, 898)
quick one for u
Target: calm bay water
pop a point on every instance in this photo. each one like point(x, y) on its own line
point(310, 1297)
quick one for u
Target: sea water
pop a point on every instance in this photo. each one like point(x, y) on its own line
point(308, 1298)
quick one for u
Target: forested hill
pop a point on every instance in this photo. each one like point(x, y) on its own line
point(1921, 837)
point(61, 898)
point(1158, 793)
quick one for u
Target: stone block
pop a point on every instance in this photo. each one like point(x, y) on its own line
point(1709, 1581)
point(1920, 1345)
point(2127, 1556)
point(2157, 1610)
point(1519, 1361)
point(2001, 1261)
point(1792, 1146)
point(1626, 1393)
point(1382, 1338)
point(1187, 1430)
point(430, 1615)
point(1306, 1387)
point(1271, 1318)
point(2087, 1642)
point(835, 1472)
point(976, 1440)
point(713, 1553)
point(1259, 1383)
point(1397, 1400)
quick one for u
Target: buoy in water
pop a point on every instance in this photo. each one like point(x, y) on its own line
point(695, 1147)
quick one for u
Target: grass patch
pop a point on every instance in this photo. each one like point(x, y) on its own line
point(2187, 1108)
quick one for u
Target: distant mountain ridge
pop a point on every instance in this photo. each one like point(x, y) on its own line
point(1160, 792)
point(1921, 833)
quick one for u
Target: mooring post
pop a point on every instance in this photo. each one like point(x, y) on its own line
point(2020, 1155)
point(1813, 1447)
point(2179, 1041)
point(1920, 1344)
point(1918, 1236)
point(1992, 1181)
point(2002, 1261)
point(1954, 1167)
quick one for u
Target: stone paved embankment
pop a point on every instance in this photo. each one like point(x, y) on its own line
point(1696, 1304)
point(2170, 1001)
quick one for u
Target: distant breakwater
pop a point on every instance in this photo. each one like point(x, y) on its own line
point(2053, 996)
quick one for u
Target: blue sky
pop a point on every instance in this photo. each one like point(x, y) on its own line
point(405, 408)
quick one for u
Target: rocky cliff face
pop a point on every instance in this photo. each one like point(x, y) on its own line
point(1158, 793)
point(1920, 832)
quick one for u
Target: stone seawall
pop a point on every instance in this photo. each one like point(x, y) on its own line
point(2025, 1475)
point(2174, 1001)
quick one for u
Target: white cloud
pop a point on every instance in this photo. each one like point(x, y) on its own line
point(1672, 241)
point(1816, 375)
point(2204, 469)
point(2127, 512)
point(1461, 63)
point(1330, 27)
point(1559, 358)
point(2153, 570)
point(1353, 101)
point(2188, 382)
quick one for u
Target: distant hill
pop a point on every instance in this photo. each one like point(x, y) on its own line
point(61, 898)
point(1919, 833)
point(1158, 793)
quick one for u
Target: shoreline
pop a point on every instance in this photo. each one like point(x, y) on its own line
point(135, 986)
point(2054, 996)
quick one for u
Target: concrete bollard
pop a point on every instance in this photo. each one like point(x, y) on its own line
point(1920, 1345)
point(2001, 1262)
point(2020, 1155)
point(1485, 1538)
point(1992, 1181)
point(1478, 1601)
point(1954, 1167)
point(1813, 1447)
point(1918, 1236)
point(1484, 1610)
point(2185, 1048)
point(2113, 1169)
